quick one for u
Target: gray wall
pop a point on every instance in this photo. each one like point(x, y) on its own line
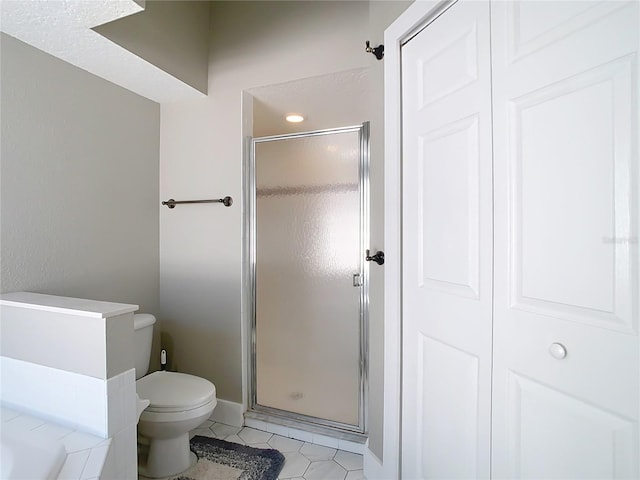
point(253, 44)
point(79, 183)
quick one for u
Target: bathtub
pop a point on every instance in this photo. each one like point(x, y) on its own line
point(25, 455)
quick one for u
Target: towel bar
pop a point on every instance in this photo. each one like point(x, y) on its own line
point(171, 203)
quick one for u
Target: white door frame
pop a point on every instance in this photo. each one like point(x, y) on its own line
point(403, 28)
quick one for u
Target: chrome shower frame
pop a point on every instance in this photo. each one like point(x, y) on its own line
point(273, 415)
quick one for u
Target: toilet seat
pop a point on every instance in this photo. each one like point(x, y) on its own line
point(159, 418)
point(171, 392)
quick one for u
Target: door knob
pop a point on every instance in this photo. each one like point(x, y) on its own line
point(378, 257)
point(557, 351)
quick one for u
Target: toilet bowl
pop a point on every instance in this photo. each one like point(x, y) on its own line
point(178, 403)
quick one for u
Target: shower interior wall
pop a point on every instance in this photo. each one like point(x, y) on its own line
point(201, 149)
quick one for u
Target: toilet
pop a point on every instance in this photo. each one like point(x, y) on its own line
point(178, 403)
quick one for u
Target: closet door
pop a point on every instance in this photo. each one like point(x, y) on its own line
point(447, 235)
point(566, 364)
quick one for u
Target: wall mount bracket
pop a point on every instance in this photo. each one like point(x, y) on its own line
point(377, 51)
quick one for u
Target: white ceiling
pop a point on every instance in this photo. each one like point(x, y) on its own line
point(328, 101)
point(62, 28)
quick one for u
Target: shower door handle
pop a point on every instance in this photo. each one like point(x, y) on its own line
point(357, 280)
point(378, 257)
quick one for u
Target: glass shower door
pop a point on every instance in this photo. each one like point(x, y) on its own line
point(308, 276)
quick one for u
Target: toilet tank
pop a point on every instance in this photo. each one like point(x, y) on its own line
point(142, 338)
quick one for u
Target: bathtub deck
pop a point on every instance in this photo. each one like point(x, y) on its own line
point(88, 457)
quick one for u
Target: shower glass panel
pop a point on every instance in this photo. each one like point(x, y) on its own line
point(308, 304)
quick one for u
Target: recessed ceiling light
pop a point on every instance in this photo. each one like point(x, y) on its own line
point(294, 118)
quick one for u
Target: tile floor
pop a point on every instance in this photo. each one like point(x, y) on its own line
point(302, 460)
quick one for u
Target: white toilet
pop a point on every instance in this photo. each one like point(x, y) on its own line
point(178, 403)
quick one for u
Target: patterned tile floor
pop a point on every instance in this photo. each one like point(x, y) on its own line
point(302, 460)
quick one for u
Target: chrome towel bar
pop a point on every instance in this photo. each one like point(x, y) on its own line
point(226, 201)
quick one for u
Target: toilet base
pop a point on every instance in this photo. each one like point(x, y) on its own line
point(168, 457)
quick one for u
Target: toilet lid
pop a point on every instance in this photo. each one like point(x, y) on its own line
point(171, 391)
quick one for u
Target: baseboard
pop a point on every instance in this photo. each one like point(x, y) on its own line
point(373, 467)
point(229, 413)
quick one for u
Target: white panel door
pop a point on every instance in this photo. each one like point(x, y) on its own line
point(566, 364)
point(447, 235)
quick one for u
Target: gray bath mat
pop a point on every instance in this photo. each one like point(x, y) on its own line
point(221, 460)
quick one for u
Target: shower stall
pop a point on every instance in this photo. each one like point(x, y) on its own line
point(308, 231)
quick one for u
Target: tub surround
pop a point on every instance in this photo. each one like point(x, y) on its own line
point(96, 406)
point(59, 331)
point(51, 346)
point(87, 456)
point(68, 305)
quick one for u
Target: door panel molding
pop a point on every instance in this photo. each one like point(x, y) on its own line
point(541, 32)
point(605, 448)
point(611, 86)
point(454, 75)
point(455, 148)
point(440, 437)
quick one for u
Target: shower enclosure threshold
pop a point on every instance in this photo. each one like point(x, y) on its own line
point(307, 429)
